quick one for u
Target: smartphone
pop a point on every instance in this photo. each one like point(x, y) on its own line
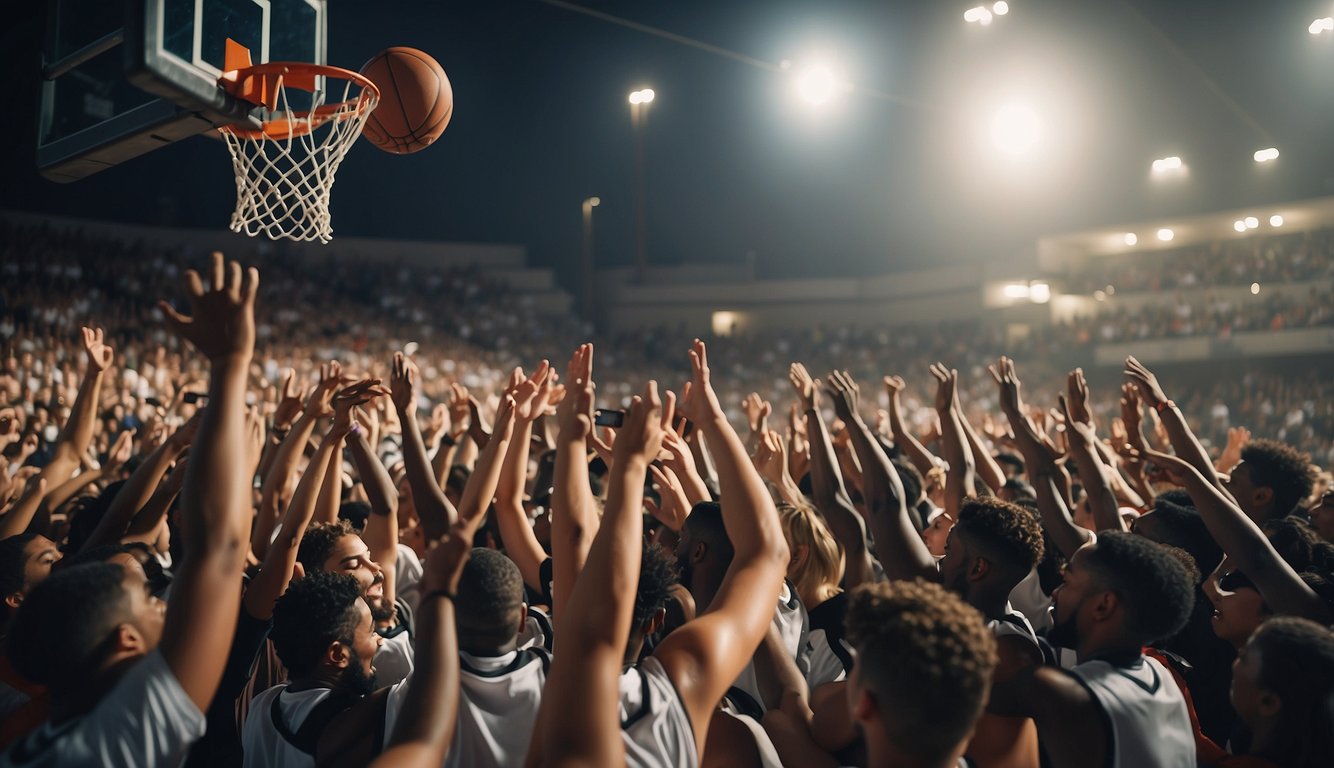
point(153, 401)
point(603, 417)
point(195, 398)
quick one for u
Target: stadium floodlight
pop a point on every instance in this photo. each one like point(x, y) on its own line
point(1099, 296)
point(1016, 291)
point(980, 15)
point(642, 96)
point(1266, 155)
point(1001, 8)
point(1252, 222)
point(1039, 293)
point(1276, 220)
point(1255, 289)
point(1131, 238)
point(1321, 25)
point(1166, 235)
point(1166, 165)
point(1239, 225)
point(1015, 129)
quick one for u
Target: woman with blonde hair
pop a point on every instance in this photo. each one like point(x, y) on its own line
point(816, 570)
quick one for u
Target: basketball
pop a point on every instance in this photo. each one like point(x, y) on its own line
point(416, 101)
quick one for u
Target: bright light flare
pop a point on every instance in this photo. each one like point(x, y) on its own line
point(1001, 8)
point(1166, 235)
point(816, 84)
point(642, 96)
point(1016, 291)
point(1166, 165)
point(1131, 238)
point(1266, 155)
point(1321, 25)
point(1255, 289)
point(1252, 222)
point(1039, 293)
point(1239, 225)
point(980, 15)
point(1015, 129)
point(1276, 220)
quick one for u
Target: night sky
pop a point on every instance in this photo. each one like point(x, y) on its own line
point(736, 167)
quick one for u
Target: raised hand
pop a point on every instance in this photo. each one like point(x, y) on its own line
point(846, 396)
point(185, 434)
point(291, 402)
point(645, 423)
point(1237, 439)
point(1076, 409)
point(530, 394)
point(894, 385)
point(348, 398)
point(947, 386)
point(120, 452)
point(222, 320)
point(771, 458)
point(674, 508)
point(1084, 429)
point(757, 411)
point(320, 401)
point(98, 352)
point(1130, 415)
point(1008, 382)
point(574, 413)
point(460, 414)
point(699, 402)
point(807, 392)
point(403, 384)
point(1146, 382)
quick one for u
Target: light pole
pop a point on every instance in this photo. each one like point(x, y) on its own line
point(639, 103)
point(587, 292)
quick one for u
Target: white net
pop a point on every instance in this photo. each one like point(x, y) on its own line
point(284, 174)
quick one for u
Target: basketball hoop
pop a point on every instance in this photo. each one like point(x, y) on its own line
point(285, 168)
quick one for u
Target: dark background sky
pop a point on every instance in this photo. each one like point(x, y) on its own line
point(541, 121)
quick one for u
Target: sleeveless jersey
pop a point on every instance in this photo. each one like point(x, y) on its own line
point(1145, 711)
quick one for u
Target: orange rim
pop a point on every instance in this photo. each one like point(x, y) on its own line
point(261, 84)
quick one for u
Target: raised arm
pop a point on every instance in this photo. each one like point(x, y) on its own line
point(142, 484)
point(1048, 478)
point(705, 656)
point(1082, 441)
point(902, 552)
point(911, 447)
point(206, 595)
point(530, 398)
point(574, 517)
point(1246, 546)
point(962, 475)
point(77, 435)
point(381, 533)
point(579, 722)
point(826, 480)
point(988, 469)
point(434, 510)
point(1184, 442)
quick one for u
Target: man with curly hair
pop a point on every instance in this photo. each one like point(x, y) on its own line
point(1116, 708)
point(922, 666)
point(1271, 480)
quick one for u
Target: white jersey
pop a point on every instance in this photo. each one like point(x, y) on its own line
point(793, 627)
point(276, 717)
point(393, 660)
point(498, 702)
point(655, 726)
point(830, 655)
point(1146, 711)
point(408, 576)
point(1028, 598)
point(146, 720)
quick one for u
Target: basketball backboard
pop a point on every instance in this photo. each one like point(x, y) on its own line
point(123, 79)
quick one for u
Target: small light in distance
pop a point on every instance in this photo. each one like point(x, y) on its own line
point(1167, 165)
point(1255, 289)
point(1015, 130)
point(1016, 291)
point(594, 202)
point(1131, 238)
point(1001, 8)
point(1252, 222)
point(642, 96)
point(816, 84)
point(1266, 155)
point(1111, 290)
point(1099, 296)
point(1321, 25)
point(1040, 293)
point(1239, 225)
point(1276, 220)
point(1166, 235)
